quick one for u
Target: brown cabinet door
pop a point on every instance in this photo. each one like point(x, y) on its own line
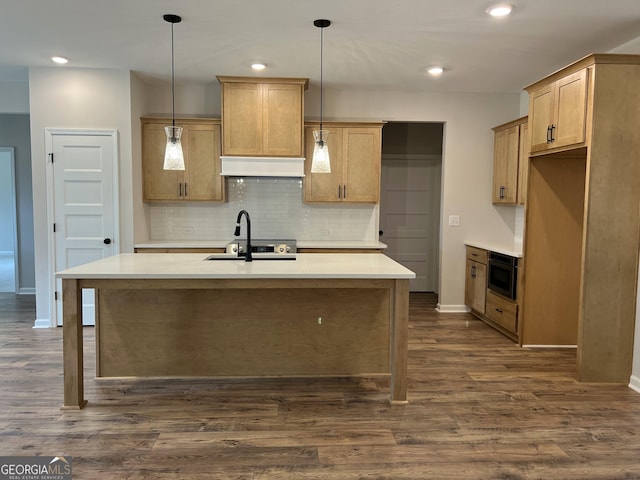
point(503, 312)
point(202, 176)
point(282, 120)
point(541, 111)
point(159, 184)
point(571, 110)
point(505, 165)
point(476, 286)
point(557, 113)
point(324, 187)
point(242, 119)
point(362, 150)
point(201, 180)
point(523, 163)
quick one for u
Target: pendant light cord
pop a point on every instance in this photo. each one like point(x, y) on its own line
point(321, 57)
point(173, 94)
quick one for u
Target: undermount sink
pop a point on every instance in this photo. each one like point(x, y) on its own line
point(256, 257)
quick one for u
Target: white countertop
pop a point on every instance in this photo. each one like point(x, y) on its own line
point(194, 266)
point(223, 244)
point(493, 248)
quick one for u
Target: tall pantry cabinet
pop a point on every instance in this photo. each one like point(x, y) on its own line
point(582, 217)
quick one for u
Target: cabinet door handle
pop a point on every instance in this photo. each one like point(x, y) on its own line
point(185, 189)
point(339, 191)
point(549, 134)
point(344, 191)
point(553, 128)
point(180, 189)
point(502, 192)
point(473, 270)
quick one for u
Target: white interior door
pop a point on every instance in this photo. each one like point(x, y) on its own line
point(85, 211)
point(410, 215)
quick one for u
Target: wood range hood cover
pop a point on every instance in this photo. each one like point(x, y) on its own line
point(239, 166)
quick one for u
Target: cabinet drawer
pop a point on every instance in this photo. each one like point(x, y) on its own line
point(502, 311)
point(477, 254)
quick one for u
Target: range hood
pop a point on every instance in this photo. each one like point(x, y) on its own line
point(262, 166)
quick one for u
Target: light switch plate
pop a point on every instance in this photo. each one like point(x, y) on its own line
point(454, 220)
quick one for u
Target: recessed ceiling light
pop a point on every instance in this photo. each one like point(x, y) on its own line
point(60, 60)
point(435, 71)
point(500, 9)
point(258, 66)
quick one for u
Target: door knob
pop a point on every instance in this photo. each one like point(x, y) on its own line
point(380, 232)
point(107, 241)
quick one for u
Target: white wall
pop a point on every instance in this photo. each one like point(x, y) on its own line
point(14, 132)
point(6, 203)
point(14, 97)
point(75, 98)
point(467, 165)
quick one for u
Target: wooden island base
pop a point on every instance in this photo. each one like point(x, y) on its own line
point(240, 328)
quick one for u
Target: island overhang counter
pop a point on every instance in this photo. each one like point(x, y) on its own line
point(179, 315)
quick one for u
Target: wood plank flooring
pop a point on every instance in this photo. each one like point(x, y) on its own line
point(480, 408)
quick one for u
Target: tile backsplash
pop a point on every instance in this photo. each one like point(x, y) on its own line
point(276, 209)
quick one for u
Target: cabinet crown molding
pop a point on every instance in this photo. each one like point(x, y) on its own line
point(592, 59)
point(286, 80)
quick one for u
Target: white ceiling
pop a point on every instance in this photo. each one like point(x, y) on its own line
point(379, 44)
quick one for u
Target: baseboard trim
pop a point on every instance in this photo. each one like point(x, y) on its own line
point(452, 308)
point(634, 383)
point(27, 291)
point(42, 323)
point(549, 346)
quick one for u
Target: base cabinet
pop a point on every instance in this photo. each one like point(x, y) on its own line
point(502, 311)
point(497, 311)
point(476, 279)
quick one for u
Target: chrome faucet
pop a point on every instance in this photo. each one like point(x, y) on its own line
point(247, 256)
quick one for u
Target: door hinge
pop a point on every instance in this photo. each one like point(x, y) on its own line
point(54, 228)
point(55, 296)
point(51, 157)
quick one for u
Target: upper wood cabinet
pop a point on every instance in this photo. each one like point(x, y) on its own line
point(557, 112)
point(355, 151)
point(201, 180)
point(510, 162)
point(263, 116)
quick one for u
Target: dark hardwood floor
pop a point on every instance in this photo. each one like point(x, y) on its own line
point(480, 408)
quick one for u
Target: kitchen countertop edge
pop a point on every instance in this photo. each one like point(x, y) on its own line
point(490, 248)
point(223, 243)
point(194, 266)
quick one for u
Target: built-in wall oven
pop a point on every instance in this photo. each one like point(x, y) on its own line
point(503, 274)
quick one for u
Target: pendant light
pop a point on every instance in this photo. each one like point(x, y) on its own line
point(320, 161)
point(173, 156)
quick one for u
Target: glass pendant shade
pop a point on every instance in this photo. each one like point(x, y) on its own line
point(320, 162)
point(173, 157)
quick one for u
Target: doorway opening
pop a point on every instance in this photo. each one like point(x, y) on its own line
point(410, 198)
point(9, 220)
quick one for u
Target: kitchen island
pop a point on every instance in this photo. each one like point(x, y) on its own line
point(179, 315)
